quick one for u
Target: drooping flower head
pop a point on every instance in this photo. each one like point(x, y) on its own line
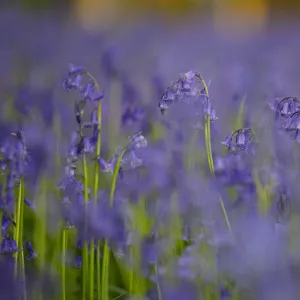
point(239, 140)
point(189, 89)
point(80, 80)
point(285, 107)
point(129, 154)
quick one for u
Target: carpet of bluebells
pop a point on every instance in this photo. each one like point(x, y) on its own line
point(156, 163)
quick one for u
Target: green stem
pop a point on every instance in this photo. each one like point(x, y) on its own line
point(63, 270)
point(131, 274)
point(98, 264)
point(106, 252)
point(209, 151)
point(96, 189)
point(22, 262)
point(159, 297)
point(85, 257)
point(17, 232)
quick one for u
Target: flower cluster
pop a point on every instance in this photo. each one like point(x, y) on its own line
point(132, 112)
point(285, 107)
point(14, 164)
point(129, 156)
point(287, 110)
point(239, 140)
point(74, 81)
point(187, 89)
point(80, 143)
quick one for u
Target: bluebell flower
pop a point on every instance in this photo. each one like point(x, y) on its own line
point(105, 166)
point(88, 90)
point(129, 157)
point(285, 107)
point(131, 115)
point(6, 222)
point(74, 78)
point(31, 254)
point(73, 70)
point(9, 246)
point(77, 263)
point(107, 222)
point(7, 149)
point(3, 164)
point(209, 110)
point(291, 125)
point(239, 140)
point(93, 120)
point(29, 203)
point(233, 170)
point(19, 134)
point(225, 293)
point(88, 146)
point(80, 147)
point(72, 152)
point(94, 138)
point(188, 90)
point(69, 178)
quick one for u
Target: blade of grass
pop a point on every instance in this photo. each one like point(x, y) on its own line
point(106, 252)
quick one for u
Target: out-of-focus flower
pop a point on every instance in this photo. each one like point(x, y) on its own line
point(75, 81)
point(69, 178)
point(77, 262)
point(129, 155)
point(6, 222)
point(188, 89)
point(29, 203)
point(8, 246)
point(31, 254)
point(74, 78)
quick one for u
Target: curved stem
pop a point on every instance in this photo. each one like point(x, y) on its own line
point(209, 150)
point(22, 262)
point(96, 189)
point(106, 252)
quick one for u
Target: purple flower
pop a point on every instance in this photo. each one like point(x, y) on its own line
point(19, 134)
point(69, 179)
point(77, 263)
point(132, 115)
point(6, 222)
point(286, 106)
point(243, 138)
point(8, 246)
point(29, 203)
point(105, 166)
point(88, 90)
point(73, 70)
point(129, 157)
point(74, 78)
point(188, 90)
point(31, 254)
point(93, 120)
